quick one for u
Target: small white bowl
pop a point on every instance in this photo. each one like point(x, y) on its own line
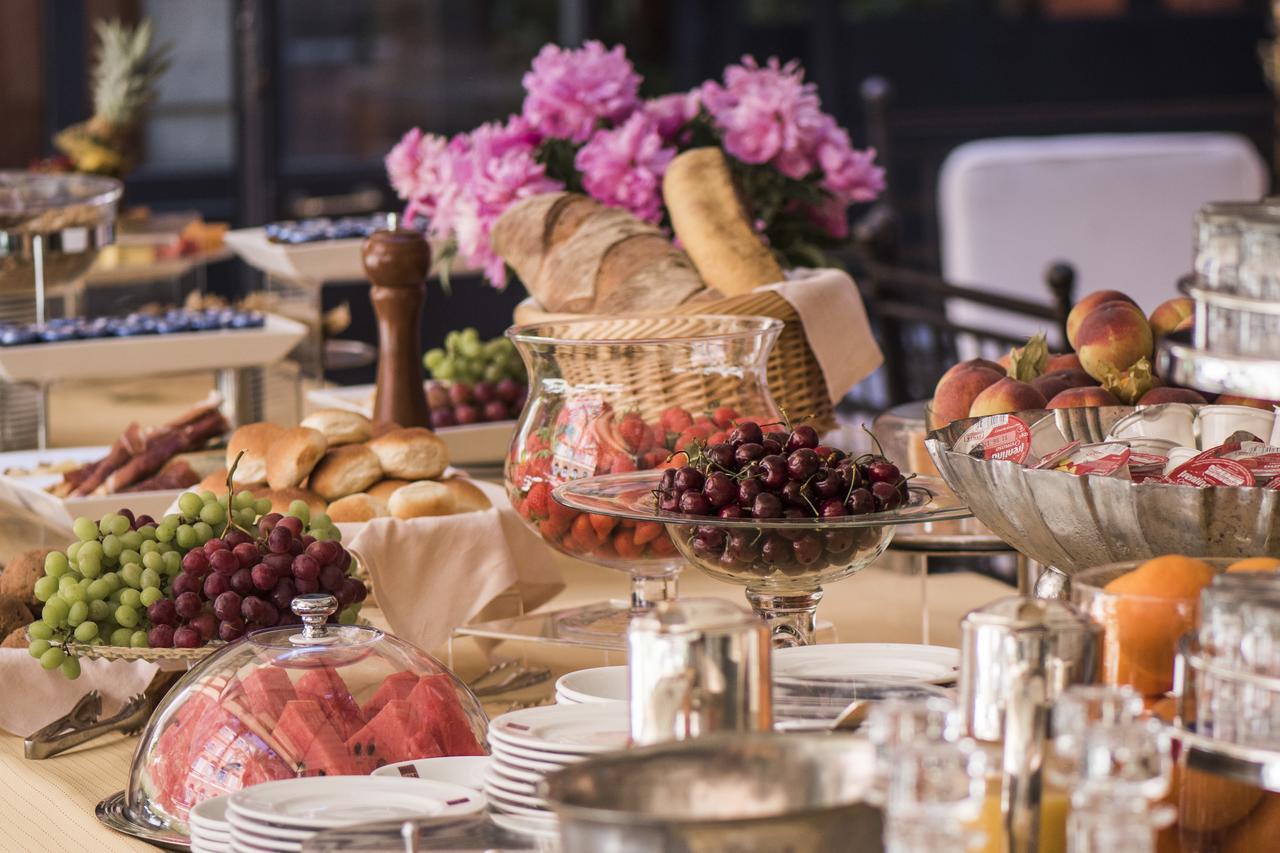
point(1171, 421)
point(1218, 422)
point(599, 684)
point(465, 770)
point(1177, 456)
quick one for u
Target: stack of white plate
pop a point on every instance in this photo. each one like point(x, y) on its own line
point(600, 684)
point(529, 743)
point(210, 832)
point(276, 817)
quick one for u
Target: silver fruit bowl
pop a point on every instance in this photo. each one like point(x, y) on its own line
point(1074, 523)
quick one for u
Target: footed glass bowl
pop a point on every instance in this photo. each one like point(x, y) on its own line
point(783, 563)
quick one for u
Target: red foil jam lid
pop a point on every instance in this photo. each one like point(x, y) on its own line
point(1263, 461)
point(1204, 473)
point(1052, 460)
point(1274, 484)
point(1106, 459)
point(996, 438)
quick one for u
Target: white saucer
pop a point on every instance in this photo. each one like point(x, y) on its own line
point(464, 770)
point(574, 730)
point(843, 662)
point(535, 826)
point(598, 684)
point(324, 802)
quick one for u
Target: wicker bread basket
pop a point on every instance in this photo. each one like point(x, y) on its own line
point(796, 381)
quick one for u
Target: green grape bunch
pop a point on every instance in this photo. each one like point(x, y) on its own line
point(465, 358)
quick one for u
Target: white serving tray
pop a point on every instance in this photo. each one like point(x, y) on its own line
point(309, 263)
point(28, 493)
point(151, 354)
point(475, 444)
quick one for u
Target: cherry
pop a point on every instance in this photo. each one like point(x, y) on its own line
point(719, 489)
point(832, 508)
point(773, 471)
point(721, 455)
point(775, 549)
point(747, 432)
point(747, 453)
point(795, 494)
point(668, 481)
point(802, 464)
point(771, 447)
point(886, 496)
point(829, 483)
point(803, 436)
point(883, 471)
point(766, 505)
point(732, 511)
point(807, 549)
point(861, 502)
point(669, 501)
point(695, 503)
point(688, 478)
point(747, 491)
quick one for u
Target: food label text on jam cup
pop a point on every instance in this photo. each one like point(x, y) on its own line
point(996, 438)
point(1204, 473)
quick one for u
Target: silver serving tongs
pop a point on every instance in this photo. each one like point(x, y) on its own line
point(519, 676)
point(82, 725)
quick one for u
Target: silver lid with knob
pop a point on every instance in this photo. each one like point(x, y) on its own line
point(314, 608)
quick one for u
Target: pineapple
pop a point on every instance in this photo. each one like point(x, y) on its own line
point(124, 76)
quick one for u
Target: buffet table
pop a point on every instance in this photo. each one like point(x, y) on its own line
point(49, 804)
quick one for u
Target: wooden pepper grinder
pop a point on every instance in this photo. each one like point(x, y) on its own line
point(396, 264)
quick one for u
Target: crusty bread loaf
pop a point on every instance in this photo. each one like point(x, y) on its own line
point(708, 218)
point(19, 577)
point(16, 639)
point(576, 255)
point(385, 488)
point(467, 496)
point(216, 482)
point(293, 455)
point(255, 440)
point(14, 613)
point(361, 506)
point(423, 498)
point(281, 498)
point(414, 453)
point(344, 471)
point(340, 426)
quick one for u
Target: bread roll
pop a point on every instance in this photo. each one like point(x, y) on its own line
point(293, 455)
point(216, 482)
point(16, 639)
point(14, 613)
point(466, 494)
point(361, 506)
point(340, 426)
point(344, 471)
point(255, 440)
point(423, 498)
point(385, 488)
point(19, 577)
point(415, 453)
point(281, 498)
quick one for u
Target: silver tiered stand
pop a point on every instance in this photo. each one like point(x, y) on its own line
point(1194, 360)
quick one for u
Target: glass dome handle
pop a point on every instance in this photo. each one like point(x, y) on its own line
point(314, 608)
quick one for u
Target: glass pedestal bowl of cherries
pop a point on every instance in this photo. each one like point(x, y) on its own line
point(773, 510)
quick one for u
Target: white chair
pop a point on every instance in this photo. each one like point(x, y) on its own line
point(1117, 207)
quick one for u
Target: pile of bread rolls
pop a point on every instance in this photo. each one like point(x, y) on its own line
point(341, 463)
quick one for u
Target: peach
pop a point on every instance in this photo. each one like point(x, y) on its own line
point(1085, 307)
point(955, 393)
point(1169, 315)
point(1076, 398)
point(1114, 337)
point(1169, 394)
point(965, 365)
point(1051, 384)
point(1237, 400)
point(1062, 361)
point(1007, 395)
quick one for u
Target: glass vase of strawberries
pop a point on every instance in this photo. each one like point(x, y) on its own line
point(609, 395)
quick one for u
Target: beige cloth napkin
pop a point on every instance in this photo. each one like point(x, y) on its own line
point(835, 323)
point(37, 697)
point(432, 574)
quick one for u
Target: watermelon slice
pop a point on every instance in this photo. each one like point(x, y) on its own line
point(328, 756)
point(264, 767)
point(300, 723)
point(396, 686)
point(393, 735)
point(266, 690)
point(327, 689)
point(437, 709)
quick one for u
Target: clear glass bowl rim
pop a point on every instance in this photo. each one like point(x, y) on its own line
point(106, 191)
point(747, 326)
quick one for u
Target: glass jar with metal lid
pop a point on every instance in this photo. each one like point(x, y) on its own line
point(1258, 331)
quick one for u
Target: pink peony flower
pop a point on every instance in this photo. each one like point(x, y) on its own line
point(671, 112)
point(569, 91)
point(848, 174)
point(623, 167)
point(482, 174)
point(767, 114)
point(402, 163)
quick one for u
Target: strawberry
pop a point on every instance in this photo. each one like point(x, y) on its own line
point(723, 417)
point(703, 429)
point(584, 533)
point(537, 500)
point(654, 458)
point(627, 549)
point(635, 433)
point(676, 419)
point(605, 549)
point(603, 524)
point(685, 439)
point(647, 531)
point(622, 464)
point(660, 436)
point(552, 530)
point(560, 513)
point(717, 437)
point(522, 507)
point(662, 547)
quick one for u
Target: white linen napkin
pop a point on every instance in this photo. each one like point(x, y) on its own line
point(37, 696)
point(432, 574)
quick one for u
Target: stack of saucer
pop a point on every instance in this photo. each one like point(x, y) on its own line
point(600, 684)
point(210, 832)
point(532, 742)
point(276, 817)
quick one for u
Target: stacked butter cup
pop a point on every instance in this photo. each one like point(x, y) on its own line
point(529, 743)
point(277, 817)
point(210, 832)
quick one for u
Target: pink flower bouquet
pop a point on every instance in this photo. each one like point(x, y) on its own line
point(584, 127)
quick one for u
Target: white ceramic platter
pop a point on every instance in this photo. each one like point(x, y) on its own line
point(901, 662)
point(143, 355)
point(332, 801)
point(465, 770)
point(599, 684)
point(571, 729)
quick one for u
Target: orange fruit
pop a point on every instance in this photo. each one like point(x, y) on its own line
point(1206, 802)
point(1118, 668)
point(1150, 608)
point(1164, 708)
point(1255, 564)
point(1259, 831)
